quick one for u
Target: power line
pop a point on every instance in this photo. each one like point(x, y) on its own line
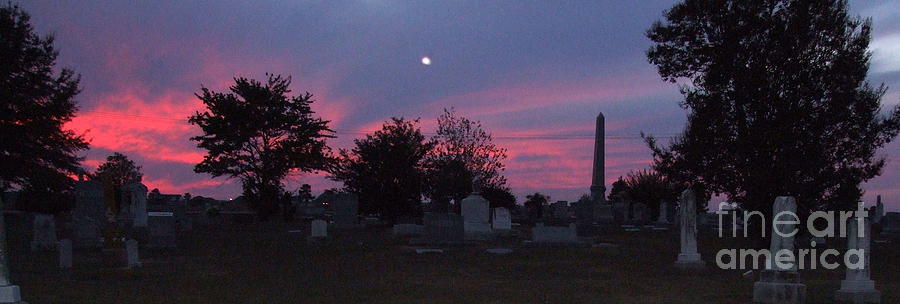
point(110, 115)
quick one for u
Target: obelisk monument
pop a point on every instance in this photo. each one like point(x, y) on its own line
point(598, 190)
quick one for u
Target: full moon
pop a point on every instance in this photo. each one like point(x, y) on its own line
point(426, 61)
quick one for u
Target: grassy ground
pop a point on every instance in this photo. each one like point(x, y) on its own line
point(262, 263)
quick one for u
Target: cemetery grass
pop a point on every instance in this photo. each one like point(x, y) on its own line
point(262, 263)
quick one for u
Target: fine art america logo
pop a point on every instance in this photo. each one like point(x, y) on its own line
point(851, 224)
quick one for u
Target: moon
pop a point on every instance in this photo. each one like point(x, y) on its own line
point(426, 60)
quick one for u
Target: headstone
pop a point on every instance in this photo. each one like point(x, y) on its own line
point(502, 220)
point(476, 213)
point(65, 254)
point(584, 218)
point(554, 234)
point(44, 236)
point(879, 211)
point(444, 228)
point(131, 247)
point(689, 257)
point(780, 283)
point(318, 229)
point(408, 229)
point(858, 287)
point(663, 213)
point(134, 196)
point(9, 293)
point(162, 229)
point(88, 214)
point(346, 206)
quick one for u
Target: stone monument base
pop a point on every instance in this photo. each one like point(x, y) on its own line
point(858, 292)
point(10, 294)
point(781, 287)
point(689, 261)
point(478, 231)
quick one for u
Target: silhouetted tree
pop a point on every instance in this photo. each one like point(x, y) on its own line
point(617, 188)
point(38, 155)
point(118, 170)
point(258, 134)
point(463, 151)
point(651, 188)
point(535, 203)
point(386, 170)
point(778, 101)
point(499, 197)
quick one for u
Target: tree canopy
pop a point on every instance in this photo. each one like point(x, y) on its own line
point(778, 101)
point(463, 151)
point(259, 134)
point(35, 103)
point(118, 170)
point(387, 170)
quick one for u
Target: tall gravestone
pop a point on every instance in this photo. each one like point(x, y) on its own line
point(598, 190)
point(689, 256)
point(346, 206)
point(44, 236)
point(9, 293)
point(879, 211)
point(135, 197)
point(780, 282)
point(88, 214)
point(858, 287)
point(476, 213)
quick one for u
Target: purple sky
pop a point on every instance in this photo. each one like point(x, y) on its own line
point(535, 73)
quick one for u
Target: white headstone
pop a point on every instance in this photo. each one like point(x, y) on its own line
point(502, 220)
point(318, 229)
point(131, 247)
point(44, 237)
point(857, 287)
point(65, 254)
point(689, 257)
point(782, 239)
point(779, 282)
point(137, 193)
point(476, 213)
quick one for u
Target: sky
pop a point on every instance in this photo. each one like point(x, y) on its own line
point(535, 73)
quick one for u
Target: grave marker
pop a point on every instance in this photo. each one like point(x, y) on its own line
point(858, 287)
point(780, 283)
